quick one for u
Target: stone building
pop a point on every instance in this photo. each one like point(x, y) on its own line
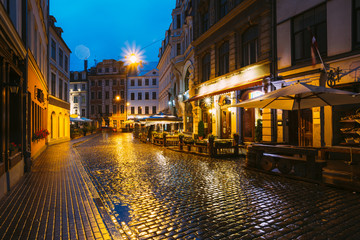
point(335, 26)
point(232, 48)
point(58, 84)
point(107, 84)
point(79, 87)
point(37, 73)
point(176, 64)
point(142, 94)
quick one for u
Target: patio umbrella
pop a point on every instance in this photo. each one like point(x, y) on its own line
point(86, 119)
point(76, 120)
point(301, 96)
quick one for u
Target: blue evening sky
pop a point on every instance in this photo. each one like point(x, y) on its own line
point(105, 26)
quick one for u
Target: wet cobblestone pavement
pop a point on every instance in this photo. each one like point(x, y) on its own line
point(157, 193)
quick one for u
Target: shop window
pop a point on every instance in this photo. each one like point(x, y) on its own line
point(250, 46)
point(304, 27)
point(224, 58)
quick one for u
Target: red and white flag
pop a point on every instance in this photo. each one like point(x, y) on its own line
point(314, 48)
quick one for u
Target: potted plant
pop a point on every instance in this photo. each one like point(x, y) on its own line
point(236, 139)
point(258, 131)
point(201, 131)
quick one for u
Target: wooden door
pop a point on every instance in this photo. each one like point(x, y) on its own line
point(207, 119)
point(248, 124)
point(225, 124)
point(306, 128)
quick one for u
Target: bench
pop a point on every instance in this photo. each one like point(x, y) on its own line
point(285, 158)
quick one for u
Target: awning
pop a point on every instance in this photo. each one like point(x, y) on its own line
point(226, 88)
point(76, 120)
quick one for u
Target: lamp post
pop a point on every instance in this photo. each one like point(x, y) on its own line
point(117, 100)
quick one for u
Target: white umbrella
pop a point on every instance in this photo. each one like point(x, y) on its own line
point(301, 96)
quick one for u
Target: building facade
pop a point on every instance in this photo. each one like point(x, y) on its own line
point(37, 73)
point(79, 92)
point(58, 84)
point(176, 64)
point(107, 82)
point(13, 88)
point(335, 27)
point(232, 49)
point(142, 94)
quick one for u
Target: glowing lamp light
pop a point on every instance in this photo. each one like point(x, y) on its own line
point(117, 98)
point(133, 58)
point(207, 101)
point(127, 104)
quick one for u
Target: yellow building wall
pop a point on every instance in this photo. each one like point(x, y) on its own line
point(59, 130)
point(36, 81)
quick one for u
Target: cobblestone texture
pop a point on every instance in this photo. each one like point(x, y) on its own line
point(157, 193)
point(52, 202)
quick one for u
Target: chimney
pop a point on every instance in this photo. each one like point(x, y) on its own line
point(85, 65)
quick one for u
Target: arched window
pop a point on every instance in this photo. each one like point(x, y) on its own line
point(186, 81)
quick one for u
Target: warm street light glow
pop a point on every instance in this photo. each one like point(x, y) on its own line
point(133, 58)
point(133, 55)
point(127, 104)
point(117, 98)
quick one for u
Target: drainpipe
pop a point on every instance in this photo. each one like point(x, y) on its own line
point(274, 68)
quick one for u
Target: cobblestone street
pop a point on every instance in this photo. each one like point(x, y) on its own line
point(157, 193)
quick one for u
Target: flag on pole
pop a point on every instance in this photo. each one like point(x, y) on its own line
point(314, 50)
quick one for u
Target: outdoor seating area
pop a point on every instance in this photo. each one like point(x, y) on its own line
point(178, 141)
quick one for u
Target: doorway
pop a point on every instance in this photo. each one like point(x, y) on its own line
point(306, 127)
point(225, 124)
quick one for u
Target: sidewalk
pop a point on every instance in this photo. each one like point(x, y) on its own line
point(53, 201)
